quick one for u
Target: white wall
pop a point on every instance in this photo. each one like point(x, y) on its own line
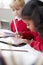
point(6, 15)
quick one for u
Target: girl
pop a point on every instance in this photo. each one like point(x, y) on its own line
point(32, 16)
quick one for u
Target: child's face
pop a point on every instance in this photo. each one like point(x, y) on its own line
point(17, 11)
point(30, 24)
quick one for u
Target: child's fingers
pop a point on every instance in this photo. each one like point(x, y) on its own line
point(18, 36)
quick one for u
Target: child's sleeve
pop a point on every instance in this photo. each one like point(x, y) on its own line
point(12, 27)
point(20, 25)
point(37, 44)
point(28, 34)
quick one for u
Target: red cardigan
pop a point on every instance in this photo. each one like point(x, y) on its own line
point(37, 43)
point(21, 26)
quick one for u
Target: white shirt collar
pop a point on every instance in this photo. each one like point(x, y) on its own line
point(18, 18)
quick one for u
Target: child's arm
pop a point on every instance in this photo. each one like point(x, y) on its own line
point(37, 43)
point(28, 34)
point(12, 27)
point(21, 26)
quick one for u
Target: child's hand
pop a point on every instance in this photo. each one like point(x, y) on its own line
point(17, 35)
point(20, 41)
